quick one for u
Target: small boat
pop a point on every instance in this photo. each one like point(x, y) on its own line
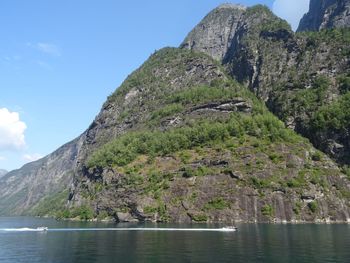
point(42, 228)
point(229, 228)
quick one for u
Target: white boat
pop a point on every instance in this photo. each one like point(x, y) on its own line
point(229, 228)
point(42, 228)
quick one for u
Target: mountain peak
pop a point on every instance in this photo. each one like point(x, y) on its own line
point(326, 14)
point(231, 6)
point(216, 33)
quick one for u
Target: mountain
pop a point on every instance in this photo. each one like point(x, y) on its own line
point(210, 132)
point(2, 172)
point(194, 145)
point(326, 14)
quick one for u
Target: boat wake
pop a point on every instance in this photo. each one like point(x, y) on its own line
point(44, 229)
point(24, 229)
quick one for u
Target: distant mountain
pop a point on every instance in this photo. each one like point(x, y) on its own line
point(3, 172)
point(23, 189)
point(325, 14)
point(208, 132)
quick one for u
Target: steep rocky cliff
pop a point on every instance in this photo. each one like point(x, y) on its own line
point(219, 28)
point(325, 14)
point(250, 41)
point(188, 137)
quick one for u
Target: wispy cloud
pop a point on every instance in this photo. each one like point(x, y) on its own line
point(47, 48)
point(2, 158)
point(32, 157)
point(11, 130)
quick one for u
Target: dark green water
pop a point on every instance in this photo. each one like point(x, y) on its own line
point(252, 243)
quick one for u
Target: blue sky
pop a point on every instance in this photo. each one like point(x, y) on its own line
point(59, 60)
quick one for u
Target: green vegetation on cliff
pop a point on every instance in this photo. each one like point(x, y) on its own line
point(50, 205)
point(335, 35)
point(194, 133)
point(333, 117)
point(125, 149)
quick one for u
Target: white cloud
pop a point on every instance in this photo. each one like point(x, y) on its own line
point(47, 48)
point(2, 158)
point(11, 130)
point(291, 10)
point(32, 157)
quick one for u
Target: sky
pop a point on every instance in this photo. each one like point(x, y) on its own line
point(60, 59)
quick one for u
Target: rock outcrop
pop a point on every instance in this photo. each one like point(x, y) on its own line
point(325, 14)
point(219, 27)
point(250, 41)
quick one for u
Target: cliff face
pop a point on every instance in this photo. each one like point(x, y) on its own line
point(219, 27)
point(325, 14)
point(255, 40)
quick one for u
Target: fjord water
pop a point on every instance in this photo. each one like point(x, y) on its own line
point(251, 243)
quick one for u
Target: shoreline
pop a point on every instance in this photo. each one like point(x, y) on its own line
point(274, 222)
